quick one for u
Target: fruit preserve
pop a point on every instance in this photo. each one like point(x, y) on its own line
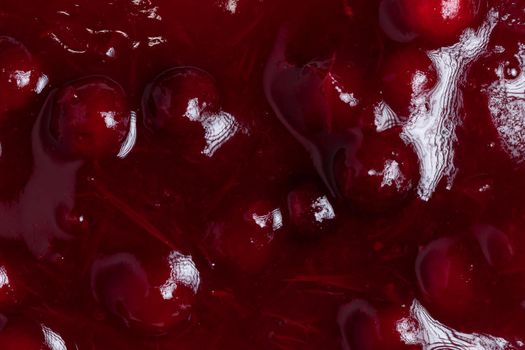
point(262, 174)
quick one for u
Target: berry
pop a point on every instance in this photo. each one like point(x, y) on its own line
point(360, 326)
point(319, 98)
point(441, 20)
point(244, 237)
point(20, 75)
point(310, 210)
point(364, 327)
point(176, 101)
point(89, 118)
point(182, 106)
point(21, 337)
point(407, 76)
point(149, 295)
point(451, 277)
point(436, 21)
point(378, 174)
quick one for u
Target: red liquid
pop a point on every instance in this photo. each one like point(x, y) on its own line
point(342, 174)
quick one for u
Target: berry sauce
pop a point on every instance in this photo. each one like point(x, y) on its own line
point(262, 174)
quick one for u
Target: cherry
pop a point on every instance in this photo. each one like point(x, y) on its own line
point(295, 94)
point(365, 327)
point(360, 326)
point(438, 21)
point(182, 106)
point(451, 277)
point(318, 98)
point(310, 210)
point(379, 174)
point(149, 295)
point(89, 118)
point(334, 83)
point(177, 101)
point(19, 336)
point(244, 236)
point(317, 102)
point(441, 20)
point(407, 75)
point(20, 75)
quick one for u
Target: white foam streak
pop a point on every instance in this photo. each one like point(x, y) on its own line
point(421, 329)
point(431, 128)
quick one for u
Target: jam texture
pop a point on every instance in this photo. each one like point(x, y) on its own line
point(262, 174)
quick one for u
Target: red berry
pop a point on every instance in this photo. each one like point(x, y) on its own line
point(359, 326)
point(89, 118)
point(183, 104)
point(21, 337)
point(440, 21)
point(20, 75)
point(244, 237)
point(310, 210)
point(316, 99)
point(364, 327)
point(451, 277)
point(407, 76)
point(379, 173)
point(150, 295)
point(436, 21)
point(177, 100)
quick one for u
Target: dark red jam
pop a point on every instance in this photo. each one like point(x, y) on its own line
point(262, 174)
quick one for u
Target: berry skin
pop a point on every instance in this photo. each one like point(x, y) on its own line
point(20, 75)
point(435, 21)
point(451, 276)
point(149, 295)
point(406, 76)
point(21, 337)
point(310, 210)
point(244, 237)
point(441, 20)
point(175, 100)
point(364, 327)
point(360, 326)
point(182, 109)
point(89, 118)
point(379, 174)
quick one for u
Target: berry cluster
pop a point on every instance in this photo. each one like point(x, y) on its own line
point(248, 174)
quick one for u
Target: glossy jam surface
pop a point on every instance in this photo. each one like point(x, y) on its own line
point(262, 174)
